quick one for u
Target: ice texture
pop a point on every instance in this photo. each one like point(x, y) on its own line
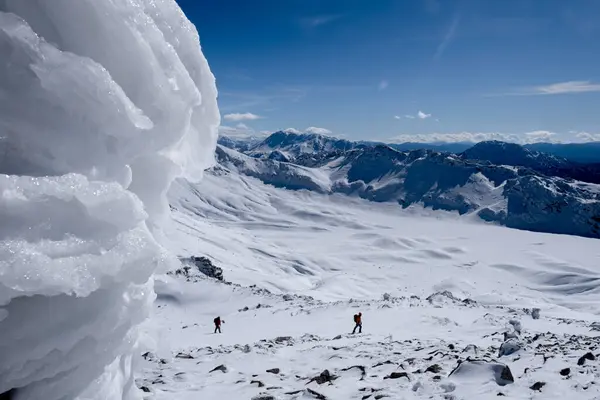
point(102, 105)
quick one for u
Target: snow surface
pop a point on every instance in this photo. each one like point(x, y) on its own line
point(433, 289)
point(102, 105)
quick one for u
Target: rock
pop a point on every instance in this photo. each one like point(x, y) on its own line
point(288, 297)
point(586, 356)
point(451, 346)
point(397, 375)
point(386, 297)
point(516, 324)
point(565, 371)
point(208, 268)
point(259, 383)
point(509, 347)
point(435, 368)
point(323, 377)
point(471, 348)
point(145, 389)
point(247, 348)
point(362, 368)
point(273, 371)
point(184, 356)
point(535, 313)
point(315, 394)
point(264, 396)
point(482, 370)
point(538, 386)
point(283, 339)
point(221, 368)
point(510, 335)
point(338, 337)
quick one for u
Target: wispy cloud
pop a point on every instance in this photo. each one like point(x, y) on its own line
point(448, 37)
point(241, 117)
point(419, 115)
point(383, 85)
point(540, 136)
point(240, 130)
point(422, 115)
point(569, 87)
point(319, 20)
point(588, 137)
point(318, 131)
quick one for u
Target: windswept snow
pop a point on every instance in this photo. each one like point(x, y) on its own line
point(102, 105)
point(434, 290)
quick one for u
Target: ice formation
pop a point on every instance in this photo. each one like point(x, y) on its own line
point(102, 105)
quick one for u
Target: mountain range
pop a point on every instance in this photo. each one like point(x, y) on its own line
point(498, 182)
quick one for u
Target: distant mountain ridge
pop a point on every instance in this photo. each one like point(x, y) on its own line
point(311, 149)
point(515, 196)
point(293, 144)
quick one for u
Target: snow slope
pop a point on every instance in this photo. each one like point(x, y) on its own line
point(102, 105)
point(303, 263)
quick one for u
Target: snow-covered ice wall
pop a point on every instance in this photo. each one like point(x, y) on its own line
point(102, 105)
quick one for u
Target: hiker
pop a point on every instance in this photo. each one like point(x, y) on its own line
point(358, 322)
point(218, 322)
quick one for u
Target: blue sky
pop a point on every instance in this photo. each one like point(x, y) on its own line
point(406, 69)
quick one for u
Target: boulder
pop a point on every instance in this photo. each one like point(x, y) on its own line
point(509, 347)
point(207, 267)
point(479, 371)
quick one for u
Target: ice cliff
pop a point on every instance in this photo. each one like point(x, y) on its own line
point(102, 105)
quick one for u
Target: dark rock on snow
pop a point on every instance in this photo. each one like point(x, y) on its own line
point(221, 368)
point(273, 370)
point(397, 375)
point(538, 386)
point(586, 356)
point(323, 377)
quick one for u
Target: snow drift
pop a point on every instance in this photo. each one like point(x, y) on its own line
point(102, 105)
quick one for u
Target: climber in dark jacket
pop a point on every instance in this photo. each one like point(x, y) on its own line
point(218, 322)
point(358, 322)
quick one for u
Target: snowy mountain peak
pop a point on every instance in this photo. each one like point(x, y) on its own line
point(502, 153)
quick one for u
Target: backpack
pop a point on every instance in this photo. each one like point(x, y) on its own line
point(356, 318)
point(217, 321)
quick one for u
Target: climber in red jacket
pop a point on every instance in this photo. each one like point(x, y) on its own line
point(358, 322)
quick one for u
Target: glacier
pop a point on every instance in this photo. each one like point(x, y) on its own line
point(102, 106)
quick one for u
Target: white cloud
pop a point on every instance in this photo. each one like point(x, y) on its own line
point(318, 131)
point(588, 137)
point(241, 117)
point(397, 117)
point(540, 136)
point(409, 116)
point(235, 131)
point(569, 87)
point(383, 85)
point(292, 130)
point(242, 126)
point(422, 115)
point(475, 137)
